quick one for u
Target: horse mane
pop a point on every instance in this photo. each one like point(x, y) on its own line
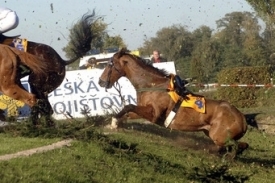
point(143, 62)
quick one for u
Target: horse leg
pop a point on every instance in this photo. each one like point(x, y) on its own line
point(43, 106)
point(241, 147)
point(145, 112)
point(34, 115)
point(225, 140)
point(46, 111)
point(19, 93)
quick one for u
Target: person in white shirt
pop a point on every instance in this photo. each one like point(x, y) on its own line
point(8, 20)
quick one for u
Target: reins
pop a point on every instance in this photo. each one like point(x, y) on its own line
point(111, 64)
point(151, 89)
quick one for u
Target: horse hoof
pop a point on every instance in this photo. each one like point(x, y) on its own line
point(241, 147)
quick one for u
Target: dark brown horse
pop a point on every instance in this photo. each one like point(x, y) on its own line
point(221, 121)
point(56, 67)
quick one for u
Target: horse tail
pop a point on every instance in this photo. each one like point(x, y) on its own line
point(35, 64)
point(81, 36)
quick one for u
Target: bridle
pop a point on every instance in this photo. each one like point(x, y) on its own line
point(111, 65)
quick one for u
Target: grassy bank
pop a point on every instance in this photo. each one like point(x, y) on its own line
point(137, 153)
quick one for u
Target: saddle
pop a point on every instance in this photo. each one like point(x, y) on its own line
point(182, 98)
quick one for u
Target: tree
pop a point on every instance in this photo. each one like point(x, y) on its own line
point(147, 48)
point(173, 42)
point(266, 11)
point(254, 48)
point(113, 41)
point(203, 33)
point(239, 37)
point(205, 60)
point(101, 40)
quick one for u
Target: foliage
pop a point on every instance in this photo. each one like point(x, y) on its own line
point(202, 53)
point(113, 42)
point(243, 96)
point(265, 10)
point(174, 42)
point(205, 61)
point(216, 173)
point(100, 38)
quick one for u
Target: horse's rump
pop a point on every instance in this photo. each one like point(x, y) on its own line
point(36, 64)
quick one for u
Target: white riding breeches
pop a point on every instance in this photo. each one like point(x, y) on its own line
point(8, 20)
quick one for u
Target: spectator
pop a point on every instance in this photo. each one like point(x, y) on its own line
point(8, 20)
point(157, 58)
point(90, 64)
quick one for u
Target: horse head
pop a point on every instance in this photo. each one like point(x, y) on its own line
point(114, 70)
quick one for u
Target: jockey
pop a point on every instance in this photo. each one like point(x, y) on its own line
point(8, 20)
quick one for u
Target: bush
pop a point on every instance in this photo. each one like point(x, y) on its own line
point(245, 96)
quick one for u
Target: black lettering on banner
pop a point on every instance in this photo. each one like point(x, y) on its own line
point(106, 102)
point(131, 98)
point(75, 106)
point(93, 103)
point(59, 108)
point(55, 92)
point(77, 87)
point(117, 102)
point(68, 87)
point(92, 86)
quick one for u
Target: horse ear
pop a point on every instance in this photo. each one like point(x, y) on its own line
point(124, 50)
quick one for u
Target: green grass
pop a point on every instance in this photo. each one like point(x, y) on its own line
point(135, 154)
point(10, 144)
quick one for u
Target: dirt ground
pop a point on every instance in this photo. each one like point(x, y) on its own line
point(30, 152)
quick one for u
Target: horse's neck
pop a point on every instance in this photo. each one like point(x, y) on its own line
point(144, 79)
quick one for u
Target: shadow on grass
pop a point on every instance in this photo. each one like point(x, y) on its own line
point(199, 141)
point(192, 140)
point(267, 162)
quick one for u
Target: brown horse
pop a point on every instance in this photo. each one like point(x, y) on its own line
point(56, 67)
point(221, 121)
point(10, 85)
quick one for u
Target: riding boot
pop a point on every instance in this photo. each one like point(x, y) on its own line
point(24, 70)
